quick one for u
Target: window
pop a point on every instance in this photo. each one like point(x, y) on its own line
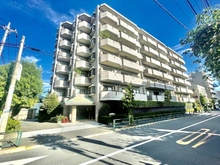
point(91, 73)
point(109, 88)
point(92, 90)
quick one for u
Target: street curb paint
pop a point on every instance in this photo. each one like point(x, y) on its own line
point(17, 149)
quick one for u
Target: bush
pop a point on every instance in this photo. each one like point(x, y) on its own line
point(153, 104)
point(58, 118)
point(43, 116)
point(0, 113)
point(13, 125)
point(104, 110)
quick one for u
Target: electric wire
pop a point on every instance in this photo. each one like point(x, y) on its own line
point(191, 6)
point(183, 12)
point(171, 15)
point(197, 5)
point(207, 2)
point(203, 4)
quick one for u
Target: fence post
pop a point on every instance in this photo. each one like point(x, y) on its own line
point(114, 124)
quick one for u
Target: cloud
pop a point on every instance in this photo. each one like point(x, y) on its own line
point(39, 6)
point(180, 49)
point(31, 59)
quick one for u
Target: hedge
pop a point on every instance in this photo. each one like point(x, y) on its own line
point(153, 104)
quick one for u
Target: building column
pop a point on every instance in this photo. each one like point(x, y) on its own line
point(73, 114)
point(66, 111)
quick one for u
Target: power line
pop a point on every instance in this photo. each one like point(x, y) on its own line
point(203, 4)
point(190, 5)
point(171, 15)
point(197, 5)
point(183, 12)
point(207, 2)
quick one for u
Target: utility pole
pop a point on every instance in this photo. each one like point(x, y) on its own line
point(7, 31)
point(16, 76)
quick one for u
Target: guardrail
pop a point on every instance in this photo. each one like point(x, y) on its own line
point(124, 122)
point(11, 139)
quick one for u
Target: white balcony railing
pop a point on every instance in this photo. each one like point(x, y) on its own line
point(109, 18)
point(110, 60)
point(110, 45)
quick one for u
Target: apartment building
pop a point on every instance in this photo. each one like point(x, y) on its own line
point(196, 78)
point(96, 57)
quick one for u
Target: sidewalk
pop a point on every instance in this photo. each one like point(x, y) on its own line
point(48, 133)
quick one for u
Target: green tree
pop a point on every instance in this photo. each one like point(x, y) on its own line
point(50, 102)
point(26, 90)
point(204, 41)
point(128, 102)
point(203, 101)
point(167, 97)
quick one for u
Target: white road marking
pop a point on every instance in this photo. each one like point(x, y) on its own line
point(139, 144)
point(22, 161)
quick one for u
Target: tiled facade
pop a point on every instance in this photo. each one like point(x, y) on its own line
point(110, 51)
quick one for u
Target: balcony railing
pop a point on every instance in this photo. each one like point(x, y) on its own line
point(133, 80)
point(109, 18)
point(140, 97)
point(113, 32)
point(130, 53)
point(83, 51)
point(82, 81)
point(148, 41)
point(129, 41)
point(149, 51)
point(131, 66)
point(110, 95)
point(110, 76)
point(162, 48)
point(110, 45)
point(151, 62)
point(165, 67)
point(163, 58)
point(65, 44)
point(110, 60)
point(62, 69)
point(66, 33)
point(153, 73)
point(85, 27)
point(83, 65)
point(84, 38)
point(63, 56)
point(123, 26)
point(61, 84)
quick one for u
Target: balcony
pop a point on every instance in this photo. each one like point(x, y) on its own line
point(179, 81)
point(113, 32)
point(149, 51)
point(167, 77)
point(133, 80)
point(162, 49)
point(181, 61)
point(163, 58)
point(176, 72)
point(110, 76)
point(169, 87)
point(110, 60)
point(85, 27)
point(148, 41)
point(82, 81)
point(66, 33)
point(165, 67)
point(155, 98)
point(131, 66)
point(183, 68)
point(186, 76)
point(190, 91)
point(61, 84)
point(129, 41)
point(83, 51)
point(153, 73)
point(151, 62)
point(63, 56)
point(155, 85)
point(140, 97)
point(83, 65)
point(123, 26)
point(62, 69)
point(110, 95)
point(84, 38)
point(187, 83)
point(130, 53)
point(108, 18)
point(177, 64)
point(110, 45)
point(65, 44)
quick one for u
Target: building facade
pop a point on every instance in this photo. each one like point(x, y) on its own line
point(197, 78)
point(96, 57)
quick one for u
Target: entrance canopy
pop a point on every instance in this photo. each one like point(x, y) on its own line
point(80, 100)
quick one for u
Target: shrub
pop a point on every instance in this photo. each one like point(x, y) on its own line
point(104, 110)
point(153, 104)
point(58, 118)
point(12, 125)
point(0, 113)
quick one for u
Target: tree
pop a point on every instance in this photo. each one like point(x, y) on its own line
point(26, 90)
point(128, 102)
point(204, 41)
point(203, 101)
point(50, 102)
point(167, 97)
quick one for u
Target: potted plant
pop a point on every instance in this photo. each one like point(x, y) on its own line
point(78, 71)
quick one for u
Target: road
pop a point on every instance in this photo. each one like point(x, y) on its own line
point(183, 141)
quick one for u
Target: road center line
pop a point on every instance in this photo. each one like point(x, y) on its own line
point(148, 141)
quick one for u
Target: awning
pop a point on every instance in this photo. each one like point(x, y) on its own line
point(80, 100)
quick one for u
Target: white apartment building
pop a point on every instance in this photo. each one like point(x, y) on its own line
point(96, 57)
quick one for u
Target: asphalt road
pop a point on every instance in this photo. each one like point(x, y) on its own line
point(184, 141)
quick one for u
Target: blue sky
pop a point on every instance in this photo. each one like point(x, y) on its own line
point(38, 21)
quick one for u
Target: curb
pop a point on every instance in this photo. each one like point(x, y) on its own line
point(17, 149)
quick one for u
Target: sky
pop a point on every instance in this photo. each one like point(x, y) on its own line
point(38, 21)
